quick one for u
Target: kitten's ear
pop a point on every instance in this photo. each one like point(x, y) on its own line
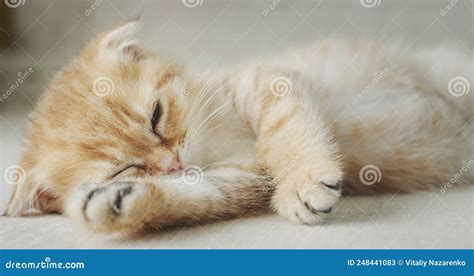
point(28, 193)
point(121, 42)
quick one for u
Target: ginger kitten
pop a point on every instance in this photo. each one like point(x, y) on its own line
point(124, 140)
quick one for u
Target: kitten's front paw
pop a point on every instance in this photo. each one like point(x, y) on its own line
point(115, 207)
point(307, 201)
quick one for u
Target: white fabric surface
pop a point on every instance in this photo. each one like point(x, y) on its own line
point(419, 220)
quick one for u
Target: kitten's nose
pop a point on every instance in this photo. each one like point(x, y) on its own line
point(172, 163)
point(175, 166)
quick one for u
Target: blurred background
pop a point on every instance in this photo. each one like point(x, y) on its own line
point(41, 36)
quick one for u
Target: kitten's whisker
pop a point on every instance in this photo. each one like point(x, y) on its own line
point(199, 133)
point(212, 97)
point(218, 112)
point(196, 116)
point(201, 136)
point(208, 102)
point(205, 89)
point(207, 92)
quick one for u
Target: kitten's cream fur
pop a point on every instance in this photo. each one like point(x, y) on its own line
point(258, 149)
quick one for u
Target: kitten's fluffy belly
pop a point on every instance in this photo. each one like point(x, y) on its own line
point(289, 133)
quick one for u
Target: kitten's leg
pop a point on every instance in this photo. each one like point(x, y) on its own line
point(156, 202)
point(295, 145)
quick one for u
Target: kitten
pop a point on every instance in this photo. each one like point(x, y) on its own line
point(124, 140)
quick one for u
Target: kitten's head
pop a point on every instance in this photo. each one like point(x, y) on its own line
point(116, 110)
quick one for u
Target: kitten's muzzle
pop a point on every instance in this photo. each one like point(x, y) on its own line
point(172, 163)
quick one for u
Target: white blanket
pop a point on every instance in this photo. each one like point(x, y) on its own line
point(419, 220)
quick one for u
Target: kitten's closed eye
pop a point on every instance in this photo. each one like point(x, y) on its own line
point(127, 169)
point(155, 118)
